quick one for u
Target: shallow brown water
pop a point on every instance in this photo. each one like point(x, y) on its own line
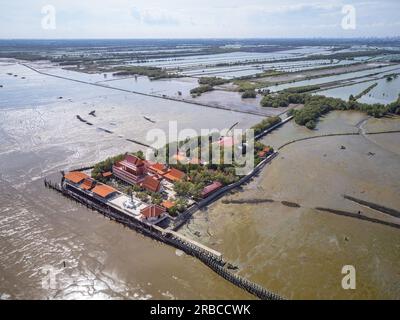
point(40, 230)
point(299, 252)
point(295, 252)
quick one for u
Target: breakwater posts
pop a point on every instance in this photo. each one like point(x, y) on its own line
point(249, 201)
point(335, 135)
point(358, 216)
point(319, 136)
point(184, 217)
point(141, 143)
point(389, 211)
point(217, 264)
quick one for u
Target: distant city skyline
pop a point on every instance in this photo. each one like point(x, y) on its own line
point(63, 19)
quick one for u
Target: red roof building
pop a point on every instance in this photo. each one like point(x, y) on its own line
point(264, 152)
point(152, 212)
point(210, 189)
point(174, 175)
point(76, 176)
point(103, 191)
point(87, 184)
point(130, 170)
point(158, 168)
point(151, 184)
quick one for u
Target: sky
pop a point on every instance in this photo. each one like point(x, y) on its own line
point(60, 19)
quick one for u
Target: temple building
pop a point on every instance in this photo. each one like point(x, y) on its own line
point(153, 213)
point(174, 175)
point(130, 170)
point(151, 183)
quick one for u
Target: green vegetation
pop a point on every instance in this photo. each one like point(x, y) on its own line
point(353, 98)
point(153, 73)
point(180, 206)
point(105, 166)
point(249, 94)
point(201, 89)
point(283, 99)
point(212, 81)
point(207, 84)
point(390, 77)
point(265, 124)
point(311, 124)
point(201, 176)
point(316, 106)
point(302, 89)
point(245, 85)
point(274, 101)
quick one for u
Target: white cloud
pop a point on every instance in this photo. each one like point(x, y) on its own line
point(206, 18)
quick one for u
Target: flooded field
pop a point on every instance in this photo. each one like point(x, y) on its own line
point(361, 75)
point(213, 59)
point(385, 92)
point(253, 69)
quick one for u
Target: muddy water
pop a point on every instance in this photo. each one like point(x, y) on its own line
point(300, 252)
point(297, 252)
point(91, 257)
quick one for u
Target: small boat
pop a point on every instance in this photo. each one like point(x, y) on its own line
point(148, 119)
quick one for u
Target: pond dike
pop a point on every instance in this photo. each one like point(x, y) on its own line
point(216, 263)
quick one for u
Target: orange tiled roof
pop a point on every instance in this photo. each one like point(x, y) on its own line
point(103, 190)
point(152, 211)
point(152, 184)
point(168, 204)
point(107, 174)
point(134, 160)
point(87, 184)
point(76, 176)
point(174, 175)
point(159, 168)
